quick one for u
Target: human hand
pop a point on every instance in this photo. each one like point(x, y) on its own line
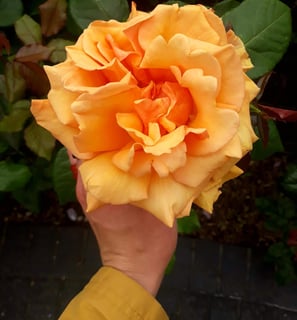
point(132, 241)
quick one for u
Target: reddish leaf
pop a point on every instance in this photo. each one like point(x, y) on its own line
point(36, 78)
point(280, 114)
point(292, 240)
point(263, 128)
point(4, 43)
point(33, 53)
point(53, 16)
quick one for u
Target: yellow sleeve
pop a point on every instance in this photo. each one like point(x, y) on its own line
point(112, 295)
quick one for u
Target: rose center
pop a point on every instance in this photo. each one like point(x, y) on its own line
point(167, 104)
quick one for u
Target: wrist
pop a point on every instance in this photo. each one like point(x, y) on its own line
point(150, 282)
point(146, 275)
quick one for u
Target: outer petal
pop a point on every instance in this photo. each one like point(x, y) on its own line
point(198, 170)
point(59, 96)
point(46, 117)
point(231, 91)
point(168, 20)
point(240, 49)
point(167, 199)
point(105, 182)
point(246, 132)
point(210, 194)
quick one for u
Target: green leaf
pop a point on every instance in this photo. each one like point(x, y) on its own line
point(274, 144)
point(39, 140)
point(289, 182)
point(265, 28)
point(28, 30)
point(14, 122)
point(266, 205)
point(286, 208)
point(3, 146)
point(30, 196)
point(286, 271)
point(223, 7)
point(15, 83)
point(10, 11)
point(13, 176)
point(84, 12)
point(180, 3)
point(58, 45)
point(170, 265)
point(12, 139)
point(2, 85)
point(64, 183)
point(277, 250)
point(189, 224)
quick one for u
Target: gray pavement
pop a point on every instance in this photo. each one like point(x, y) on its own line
point(43, 267)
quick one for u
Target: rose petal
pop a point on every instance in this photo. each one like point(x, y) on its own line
point(81, 60)
point(231, 90)
point(59, 96)
point(203, 90)
point(169, 162)
point(46, 117)
point(182, 52)
point(240, 50)
point(167, 199)
point(139, 163)
point(133, 160)
point(99, 130)
point(171, 140)
point(198, 170)
point(210, 194)
point(178, 20)
point(107, 185)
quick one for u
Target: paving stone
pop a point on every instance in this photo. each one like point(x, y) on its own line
point(195, 306)
point(90, 255)
point(234, 271)
point(205, 274)
point(179, 277)
point(43, 268)
point(281, 314)
point(69, 257)
point(20, 296)
point(261, 284)
point(3, 227)
point(16, 249)
point(13, 303)
point(286, 296)
point(37, 311)
point(224, 308)
point(43, 251)
point(252, 311)
point(170, 299)
point(68, 290)
point(42, 290)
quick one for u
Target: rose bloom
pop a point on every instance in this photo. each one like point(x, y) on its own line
point(157, 109)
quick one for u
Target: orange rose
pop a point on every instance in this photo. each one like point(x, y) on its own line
point(156, 107)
